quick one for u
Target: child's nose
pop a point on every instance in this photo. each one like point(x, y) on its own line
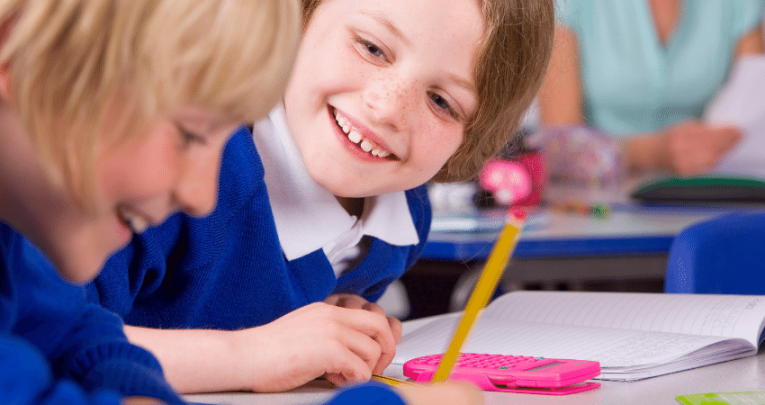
point(389, 103)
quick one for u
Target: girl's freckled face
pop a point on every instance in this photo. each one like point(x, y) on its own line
point(380, 92)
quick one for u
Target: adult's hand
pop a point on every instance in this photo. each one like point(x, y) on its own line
point(692, 147)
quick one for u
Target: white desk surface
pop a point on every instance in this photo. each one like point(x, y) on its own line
point(747, 374)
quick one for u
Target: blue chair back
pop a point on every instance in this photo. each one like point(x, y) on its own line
point(725, 255)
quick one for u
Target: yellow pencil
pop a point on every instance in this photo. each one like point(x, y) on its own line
point(390, 380)
point(483, 290)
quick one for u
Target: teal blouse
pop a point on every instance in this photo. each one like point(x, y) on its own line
point(634, 83)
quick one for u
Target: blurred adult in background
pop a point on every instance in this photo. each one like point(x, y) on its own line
point(642, 72)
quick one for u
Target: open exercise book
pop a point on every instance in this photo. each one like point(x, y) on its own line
point(632, 335)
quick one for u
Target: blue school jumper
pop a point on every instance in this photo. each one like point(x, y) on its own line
point(367, 394)
point(227, 271)
point(55, 347)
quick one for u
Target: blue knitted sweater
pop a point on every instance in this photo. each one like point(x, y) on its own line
point(55, 347)
point(227, 271)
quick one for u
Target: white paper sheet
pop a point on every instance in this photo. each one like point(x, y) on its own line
point(632, 335)
point(741, 102)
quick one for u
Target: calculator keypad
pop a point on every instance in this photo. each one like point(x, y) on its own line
point(480, 361)
point(511, 373)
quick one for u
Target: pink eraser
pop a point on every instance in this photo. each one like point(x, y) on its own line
point(519, 214)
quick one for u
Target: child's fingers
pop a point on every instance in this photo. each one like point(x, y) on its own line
point(396, 328)
point(377, 327)
point(352, 358)
point(351, 301)
point(141, 401)
point(370, 323)
point(372, 307)
point(365, 334)
point(367, 348)
point(336, 379)
point(395, 324)
point(344, 344)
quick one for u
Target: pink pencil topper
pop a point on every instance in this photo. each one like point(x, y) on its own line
point(509, 182)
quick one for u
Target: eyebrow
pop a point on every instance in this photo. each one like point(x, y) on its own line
point(400, 35)
point(392, 28)
point(204, 125)
point(470, 86)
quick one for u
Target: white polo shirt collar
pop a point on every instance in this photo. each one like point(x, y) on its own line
point(307, 216)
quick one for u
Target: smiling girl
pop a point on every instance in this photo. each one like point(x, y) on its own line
point(328, 205)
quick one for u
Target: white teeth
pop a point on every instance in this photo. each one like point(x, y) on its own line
point(355, 137)
point(137, 223)
point(366, 146)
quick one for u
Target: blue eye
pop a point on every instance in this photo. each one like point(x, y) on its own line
point(441, 103)
point(372, 49)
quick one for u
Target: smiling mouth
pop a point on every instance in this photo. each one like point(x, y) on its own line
point(135, 222)
point(355, 136)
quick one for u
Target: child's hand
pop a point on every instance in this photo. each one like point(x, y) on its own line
point(452, 393)
point(141, 401)
point(319, 339)
point(354, 301)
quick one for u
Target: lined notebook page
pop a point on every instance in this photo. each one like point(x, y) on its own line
point(625, 332)
point(611, 347)
point(694, 314)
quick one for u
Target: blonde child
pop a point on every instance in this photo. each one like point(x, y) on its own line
point(328, 205)
point(112, 120)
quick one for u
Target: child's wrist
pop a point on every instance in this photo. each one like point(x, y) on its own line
point(238, 347)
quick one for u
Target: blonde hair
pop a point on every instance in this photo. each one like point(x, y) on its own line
point(509, 68)
point(68, 59)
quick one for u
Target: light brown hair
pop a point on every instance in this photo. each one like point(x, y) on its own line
point(511, 61)
point(68, 59)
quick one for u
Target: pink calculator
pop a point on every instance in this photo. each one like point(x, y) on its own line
point(496, 372)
